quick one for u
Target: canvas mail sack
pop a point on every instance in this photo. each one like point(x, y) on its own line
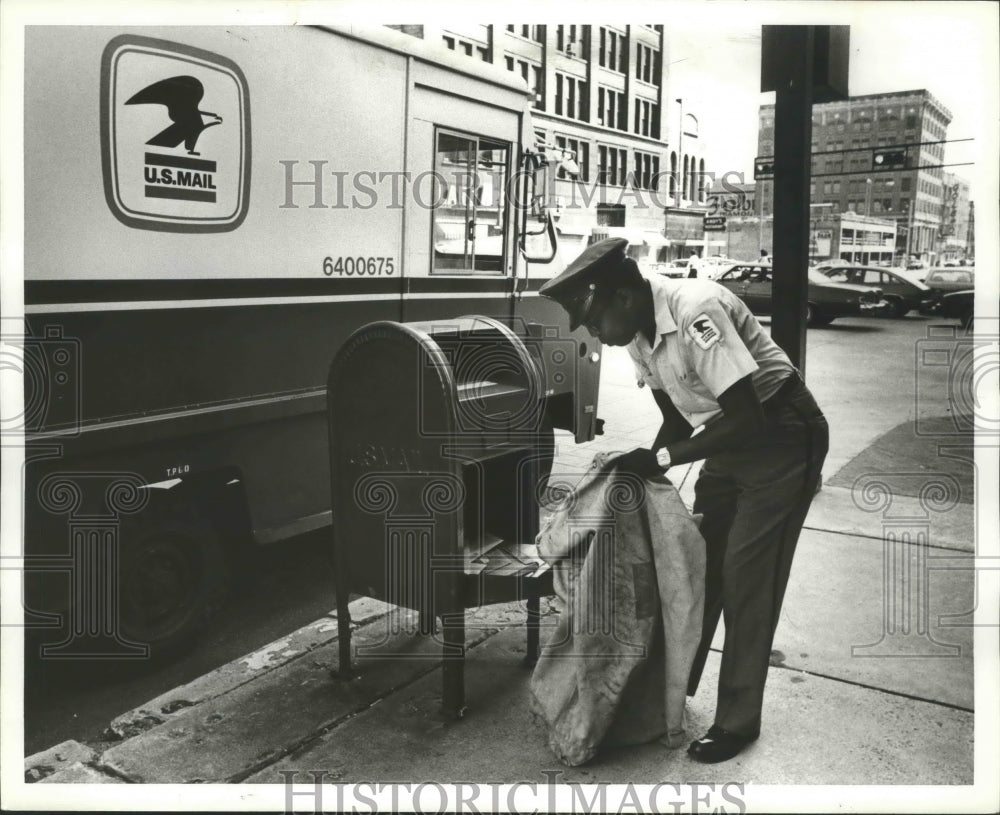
point(629, 571)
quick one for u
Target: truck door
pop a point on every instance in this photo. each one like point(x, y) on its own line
point(459, 233)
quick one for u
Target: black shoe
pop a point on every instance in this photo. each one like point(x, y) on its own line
point(720, 745)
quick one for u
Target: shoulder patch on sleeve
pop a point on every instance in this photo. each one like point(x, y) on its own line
point(704, 332)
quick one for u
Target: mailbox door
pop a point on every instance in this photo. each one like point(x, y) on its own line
point(396, 499)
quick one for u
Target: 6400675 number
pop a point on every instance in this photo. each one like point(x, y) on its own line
point(358, 266)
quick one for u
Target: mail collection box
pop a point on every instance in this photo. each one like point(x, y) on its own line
point(440, 444)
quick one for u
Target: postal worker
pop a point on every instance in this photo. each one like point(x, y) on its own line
point(729, 395)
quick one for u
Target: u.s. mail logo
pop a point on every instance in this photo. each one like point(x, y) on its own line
point(175, 136)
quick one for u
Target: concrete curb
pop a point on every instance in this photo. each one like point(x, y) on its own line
point(213, 729)
point(58, 763)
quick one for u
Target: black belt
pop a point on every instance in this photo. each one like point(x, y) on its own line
point(788, 389)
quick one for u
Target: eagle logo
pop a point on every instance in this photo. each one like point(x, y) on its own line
point(181, 95)
point(704, 332)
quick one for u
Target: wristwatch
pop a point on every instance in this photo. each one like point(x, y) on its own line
point(663, 458)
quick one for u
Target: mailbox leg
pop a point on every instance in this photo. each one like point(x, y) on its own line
point(342, 588)
point(343, 638)
point(532, 625)
point(453, 666)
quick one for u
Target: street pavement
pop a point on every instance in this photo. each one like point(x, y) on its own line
point(872, 679)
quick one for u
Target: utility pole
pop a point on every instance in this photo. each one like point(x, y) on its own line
point(681, 166)
point(802, 64)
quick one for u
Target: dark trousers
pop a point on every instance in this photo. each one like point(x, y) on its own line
point(754, 501)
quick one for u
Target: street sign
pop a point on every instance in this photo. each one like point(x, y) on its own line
point(763, 167)
point(889, 158)
point(714, 223)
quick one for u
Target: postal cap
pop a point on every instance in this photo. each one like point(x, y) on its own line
point(572, 288)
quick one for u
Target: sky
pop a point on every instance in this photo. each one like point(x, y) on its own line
point(949, 49)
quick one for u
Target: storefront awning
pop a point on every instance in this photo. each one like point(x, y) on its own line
point(655, 239)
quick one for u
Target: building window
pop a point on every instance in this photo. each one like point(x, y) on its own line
point(647, 171)
point(532, 74)
point(647, 118)
point(467, 47)
point(536, 33)
point(647, 64)
point(611, 108)
point(672, 181)
point(569, 40)
point(613, 52)
point(571, 97)
point(581, 151)
point(611, 215)
point(611, 165)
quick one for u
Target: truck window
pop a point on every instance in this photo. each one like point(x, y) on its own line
point(469, 218)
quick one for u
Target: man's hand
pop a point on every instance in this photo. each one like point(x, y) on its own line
point(640, 462)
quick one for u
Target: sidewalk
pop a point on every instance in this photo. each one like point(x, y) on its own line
point(851, 698)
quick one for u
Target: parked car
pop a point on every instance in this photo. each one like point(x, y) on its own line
point(676, 268)
point(960, 305)
point(913, 275)
point(901, 293)
point(713, 266)
point(832, 263)
point(826, 300)
point(942, 280)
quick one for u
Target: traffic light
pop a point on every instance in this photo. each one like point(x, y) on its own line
point(763, 168)
point(885, 159)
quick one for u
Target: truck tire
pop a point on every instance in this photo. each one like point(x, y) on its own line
point(175, 577)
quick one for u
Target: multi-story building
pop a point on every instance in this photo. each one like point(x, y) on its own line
point(600, 93)
point(908, 129)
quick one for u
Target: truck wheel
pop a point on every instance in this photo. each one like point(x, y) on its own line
point(174, 579)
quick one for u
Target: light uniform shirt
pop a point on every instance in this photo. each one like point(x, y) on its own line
point(706, 340)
